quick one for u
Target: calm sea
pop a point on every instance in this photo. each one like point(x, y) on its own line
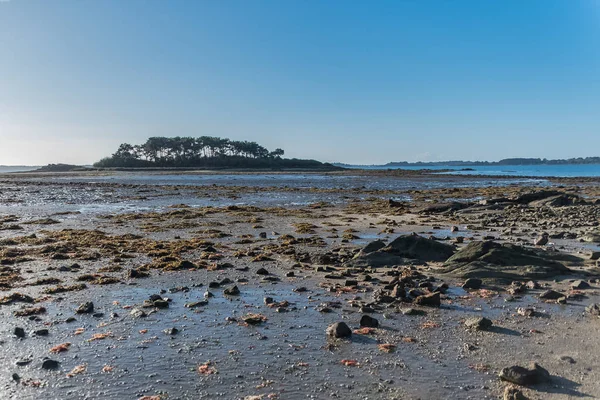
point(567, 170)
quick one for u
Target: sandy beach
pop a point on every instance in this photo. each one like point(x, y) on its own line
point(125, 287)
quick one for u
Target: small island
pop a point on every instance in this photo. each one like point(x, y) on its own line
point(204, 152)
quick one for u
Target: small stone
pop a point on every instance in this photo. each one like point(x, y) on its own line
point(232, 291)
point(567, 359)
point(551, 295)
point(290, 274)
point(41, 332)
point(369, 322)
point(532, 285)
point(580, 285)
point(351, 282)
point(472, 283)
point(412, 311)
point(70, 319)
point(339, 330)
point(478, 323)
point(161, 303)
point(171, 331)
point(50, 364)
point(137, 313)
point(214, 285)
point(398, 292)
point(430, 300)
point(262, 235)
point(593, 309)
point(262, 271)
point(85, 308)
point(512, 393)
point(19, 332)
point(595, 256)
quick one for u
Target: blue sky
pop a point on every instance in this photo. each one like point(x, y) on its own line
point(348, 81)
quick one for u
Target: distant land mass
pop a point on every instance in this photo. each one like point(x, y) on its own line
point(506, 161)
point(204, 152)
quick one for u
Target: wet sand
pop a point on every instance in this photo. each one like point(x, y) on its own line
point(116, 243)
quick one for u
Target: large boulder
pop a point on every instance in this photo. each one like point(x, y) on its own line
point(403, 250)
point(492, 260)
point(560, 200)
point(419, 248)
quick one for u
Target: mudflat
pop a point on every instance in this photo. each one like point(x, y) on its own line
point(292, 286)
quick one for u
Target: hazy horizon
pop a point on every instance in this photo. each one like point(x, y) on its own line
point(349, 82)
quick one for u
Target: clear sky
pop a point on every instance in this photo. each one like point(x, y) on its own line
point(351, 80)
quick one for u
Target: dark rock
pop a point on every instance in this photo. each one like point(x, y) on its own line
point(195, 304)
point(444, 207)
point(580, 285)
point(523, 376)
point(535, 196)
point(214, 285)
point(398, 292)
point(559, 200)
point(472, 283)
point(551, 295)
point(369, 322)
point(161, 303)
point(41, 332)
point(232, 291)
point(403, 250)
point(478, 323)
point(85, 308)
point(19, 332)
point(351, 282)
point(419, 248)
point(339, 330)
point(492, 260)
point(373, 246)
point(595, 255)
point(262, 271)
point(50, 364)
point(430, 300)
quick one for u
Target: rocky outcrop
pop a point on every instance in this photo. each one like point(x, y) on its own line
point(404, 249)
point(492, 260)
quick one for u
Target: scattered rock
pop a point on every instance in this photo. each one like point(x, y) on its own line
point(429, 300)
point(492, 260)
point(85, 308)
point(523, 376)
point(19, 332)
point(478, 323)
point(232, 291)
point(551, 295)
point(579, 285)
point(50, 364)
point(472, 283)
point(369, 322)
point(339, 330)
point(512, 393)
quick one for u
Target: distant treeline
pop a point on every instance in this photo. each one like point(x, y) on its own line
point(203, 151)
point(506, 161)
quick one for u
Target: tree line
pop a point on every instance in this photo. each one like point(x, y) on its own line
point(203, 151)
